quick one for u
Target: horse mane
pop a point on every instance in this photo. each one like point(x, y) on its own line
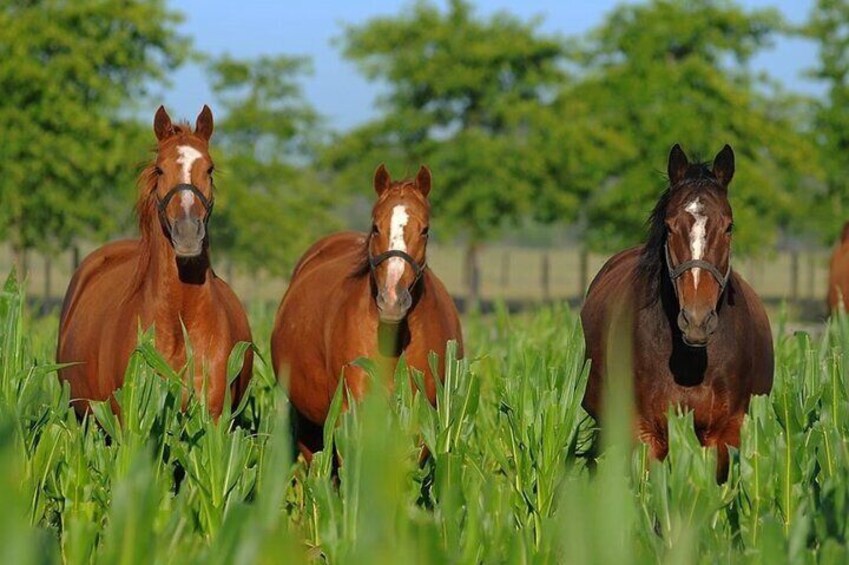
point(363, 266)
point(652, 262)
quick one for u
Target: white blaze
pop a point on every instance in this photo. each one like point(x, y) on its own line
point(396, 242)
point(697, 235)
point(187, 158)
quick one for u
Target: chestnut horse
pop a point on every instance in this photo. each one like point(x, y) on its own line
point(700, 337)
point(838, 273)
point(350, 287)
point(162, 280)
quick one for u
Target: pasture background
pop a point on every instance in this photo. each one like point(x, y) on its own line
point(514, 274)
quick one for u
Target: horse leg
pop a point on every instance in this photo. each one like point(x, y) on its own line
point(654, 434)
point(307, 437)
point(729, 435)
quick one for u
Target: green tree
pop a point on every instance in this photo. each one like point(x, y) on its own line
point(828, 26)
point(69, 72)
point(273, 204)
point(675, 71)
point(461, 91)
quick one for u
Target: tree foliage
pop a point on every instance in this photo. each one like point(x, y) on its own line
point(273, 204)
point(828, 26)
point(675, 71)
point(461, 89)
point(68, 73)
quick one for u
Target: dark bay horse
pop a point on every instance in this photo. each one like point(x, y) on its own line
point(700, 337)
point(163, 280)
point(348, 289)
point(838, 273)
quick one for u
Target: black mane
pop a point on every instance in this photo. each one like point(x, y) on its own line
point(652, 263)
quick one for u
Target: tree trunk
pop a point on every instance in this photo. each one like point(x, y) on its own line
point(21, 262)
point(812, 267)
point(473, 277)
point(794, 275)
point(545, 277)
point(583, 270)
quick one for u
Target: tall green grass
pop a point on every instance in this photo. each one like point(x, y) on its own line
point(506, 482)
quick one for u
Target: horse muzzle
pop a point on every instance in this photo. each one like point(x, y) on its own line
point(187, 235)
point(697, 327)
point(393, 306)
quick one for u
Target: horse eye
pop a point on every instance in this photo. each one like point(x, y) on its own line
point(210, 171)
point(730, 228)
point(158, 171)
point(374, 229)
point(426, 231)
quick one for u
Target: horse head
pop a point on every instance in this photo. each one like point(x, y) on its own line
point(397, 244)
point(181, 181)
point(698, 240)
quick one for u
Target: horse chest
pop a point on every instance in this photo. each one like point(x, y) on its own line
point(710, 401)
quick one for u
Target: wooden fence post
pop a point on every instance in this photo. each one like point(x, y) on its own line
point(546, 276)
point(794, 275)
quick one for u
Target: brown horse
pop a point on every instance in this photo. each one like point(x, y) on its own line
point(700, 337)
point(348, 289)
point(162, 280)
point(838, 273)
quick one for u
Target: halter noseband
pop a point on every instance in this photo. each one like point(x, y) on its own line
point(162, 203)
point(676, 272)
point(374, 261)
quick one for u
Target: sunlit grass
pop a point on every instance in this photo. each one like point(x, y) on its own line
point(506, 480)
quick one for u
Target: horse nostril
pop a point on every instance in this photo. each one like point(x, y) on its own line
point(683, 320)
point(404, 299)
point(711, 322)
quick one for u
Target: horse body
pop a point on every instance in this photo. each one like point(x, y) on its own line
point(640, 296)
point(329, 317)
point(838, 272)
point(135, 284)
point(715, 382)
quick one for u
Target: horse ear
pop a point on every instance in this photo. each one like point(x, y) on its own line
point(162, 126)
point(203, 125)
point(678, 165)
point(381, 179)
point(723, 165)
point(423, 180)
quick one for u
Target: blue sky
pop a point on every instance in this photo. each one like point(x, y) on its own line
point(337, 91)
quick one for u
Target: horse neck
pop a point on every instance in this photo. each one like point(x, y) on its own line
point(176, 288)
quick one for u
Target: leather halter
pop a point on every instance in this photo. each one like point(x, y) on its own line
point(374, 261)
point(162, 204)
point(676, 272)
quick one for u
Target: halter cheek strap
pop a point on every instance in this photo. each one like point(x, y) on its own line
point(676, 272)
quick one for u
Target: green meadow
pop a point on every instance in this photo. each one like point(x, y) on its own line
point(509, 480)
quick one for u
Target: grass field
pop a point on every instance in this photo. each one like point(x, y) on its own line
point(507, 482)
